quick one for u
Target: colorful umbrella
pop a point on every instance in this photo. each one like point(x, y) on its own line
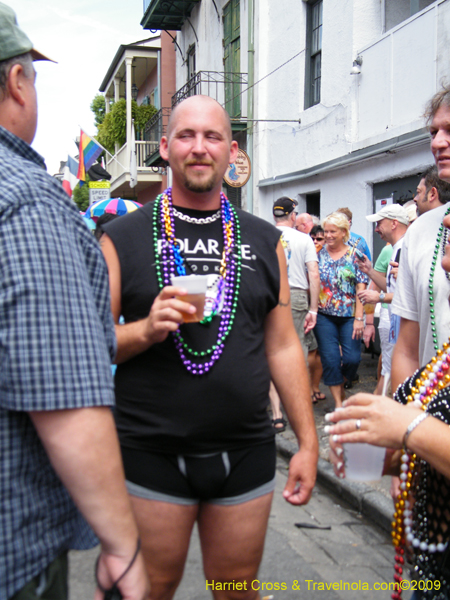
point(89, 222)
point(115, 206)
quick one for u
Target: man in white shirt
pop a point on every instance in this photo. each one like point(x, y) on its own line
point(422, 292)
point(391, 225)
point(304, 283)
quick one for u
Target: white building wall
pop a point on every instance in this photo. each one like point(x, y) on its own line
point(351, 186)
point(401, 70)
point(398, 75)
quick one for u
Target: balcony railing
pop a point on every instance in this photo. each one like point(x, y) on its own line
point(155, 128)
point(392, 66)
point(119, 164)
point(143, 149)
point(228, 89)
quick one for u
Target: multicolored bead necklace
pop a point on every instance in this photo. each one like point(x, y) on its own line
point(434, 377)
point(441, 239)
point(171, 262)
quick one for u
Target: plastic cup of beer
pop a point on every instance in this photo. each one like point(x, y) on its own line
point(196, 286)
point(363, 462)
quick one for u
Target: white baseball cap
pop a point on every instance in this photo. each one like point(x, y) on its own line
point(391, 211)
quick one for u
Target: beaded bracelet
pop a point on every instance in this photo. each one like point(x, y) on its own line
point(412, 426)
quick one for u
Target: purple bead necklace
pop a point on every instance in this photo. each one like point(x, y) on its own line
point(170, 261)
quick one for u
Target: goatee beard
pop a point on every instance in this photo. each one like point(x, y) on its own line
point(199, 188)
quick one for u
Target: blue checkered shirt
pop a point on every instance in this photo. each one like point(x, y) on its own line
point(56, 342)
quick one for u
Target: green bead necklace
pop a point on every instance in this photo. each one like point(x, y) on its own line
point(439, 241)
point(171, 261)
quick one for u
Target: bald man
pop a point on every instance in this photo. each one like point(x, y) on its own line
point(304, 223)
point(197, 441)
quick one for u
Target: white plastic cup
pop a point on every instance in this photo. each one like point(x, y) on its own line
point(363, 462)
point(196, 286)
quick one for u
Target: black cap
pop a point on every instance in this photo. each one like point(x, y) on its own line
point(284, 206)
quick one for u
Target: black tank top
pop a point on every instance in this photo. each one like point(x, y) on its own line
point(160, 405)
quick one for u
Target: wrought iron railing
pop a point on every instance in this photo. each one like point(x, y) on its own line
point(154, 129)
point(226, 88)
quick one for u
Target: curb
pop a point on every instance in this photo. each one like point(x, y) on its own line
point(368, 501)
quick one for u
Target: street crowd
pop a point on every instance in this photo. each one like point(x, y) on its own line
point(183, 435)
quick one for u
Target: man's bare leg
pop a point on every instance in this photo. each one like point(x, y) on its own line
point(380, 377)
point(278, 421)
point(165, 531)
point(275, 403)
point(315, 375)
point(232, 539)
point(338, 393)
point(315, 370)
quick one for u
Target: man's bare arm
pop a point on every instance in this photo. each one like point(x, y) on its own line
point(165, 314)
point(314, 288)
point(290, 376)
point(84, 450)
point(405, 356)
point(314, 284)
point(376, 276)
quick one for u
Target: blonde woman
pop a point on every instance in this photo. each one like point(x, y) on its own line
point(340, 320)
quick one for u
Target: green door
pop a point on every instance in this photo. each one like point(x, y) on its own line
point(232, 57)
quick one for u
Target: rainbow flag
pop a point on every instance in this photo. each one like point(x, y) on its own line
point(89, 152)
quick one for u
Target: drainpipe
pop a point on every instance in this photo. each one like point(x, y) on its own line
point(251, 58)
point(158, 100)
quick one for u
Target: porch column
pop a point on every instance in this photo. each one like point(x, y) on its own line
point(128, 82)
point(116, 99)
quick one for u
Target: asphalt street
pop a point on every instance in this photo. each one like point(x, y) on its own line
point(303, 563)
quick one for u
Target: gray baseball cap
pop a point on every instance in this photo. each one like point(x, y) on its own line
point(13, 41)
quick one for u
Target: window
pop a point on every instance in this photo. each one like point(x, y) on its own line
point(400, 10)
point(313, 204)
point(313, 69)
point(191, 62)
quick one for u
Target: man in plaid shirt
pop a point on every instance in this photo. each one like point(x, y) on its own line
point(58, 447)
